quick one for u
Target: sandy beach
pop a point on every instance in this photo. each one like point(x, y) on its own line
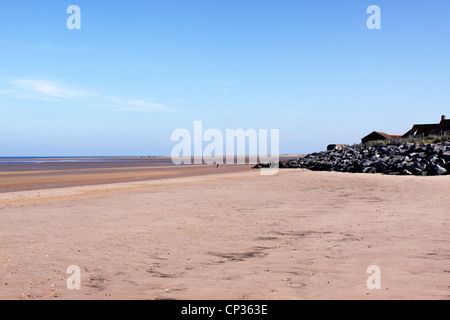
point(232, 235)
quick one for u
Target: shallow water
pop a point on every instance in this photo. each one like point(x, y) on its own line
point(59, 163)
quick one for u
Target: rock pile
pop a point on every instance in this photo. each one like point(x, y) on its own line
point(397, 158)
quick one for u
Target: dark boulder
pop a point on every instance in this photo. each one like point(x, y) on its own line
point(394, 159)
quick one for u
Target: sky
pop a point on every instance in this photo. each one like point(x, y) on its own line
point(138, 70)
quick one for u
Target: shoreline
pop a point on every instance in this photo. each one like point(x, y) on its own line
point(66, 174)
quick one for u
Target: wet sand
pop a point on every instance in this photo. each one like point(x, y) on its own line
point(40, 173)
point(32, 180)
point(236, 235)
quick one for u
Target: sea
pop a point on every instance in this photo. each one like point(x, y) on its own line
point(73, 163)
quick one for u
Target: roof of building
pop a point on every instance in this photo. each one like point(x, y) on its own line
point(427, 129)
point(385, 135)
point(382, 134)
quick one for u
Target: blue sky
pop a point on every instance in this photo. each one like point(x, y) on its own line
point(138, 70)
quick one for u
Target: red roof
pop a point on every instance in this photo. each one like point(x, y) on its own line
point(377, 135)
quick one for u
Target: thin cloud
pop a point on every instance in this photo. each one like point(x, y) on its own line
point(26, 88)
point(6, 92)
point(48, 88)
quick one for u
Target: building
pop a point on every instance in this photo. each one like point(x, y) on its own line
point(336, 146)
point(376, 135)
point(424, 130)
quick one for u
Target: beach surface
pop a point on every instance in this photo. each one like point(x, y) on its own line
point(229, 235)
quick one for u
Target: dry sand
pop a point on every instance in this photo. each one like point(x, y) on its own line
point(237, 235)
